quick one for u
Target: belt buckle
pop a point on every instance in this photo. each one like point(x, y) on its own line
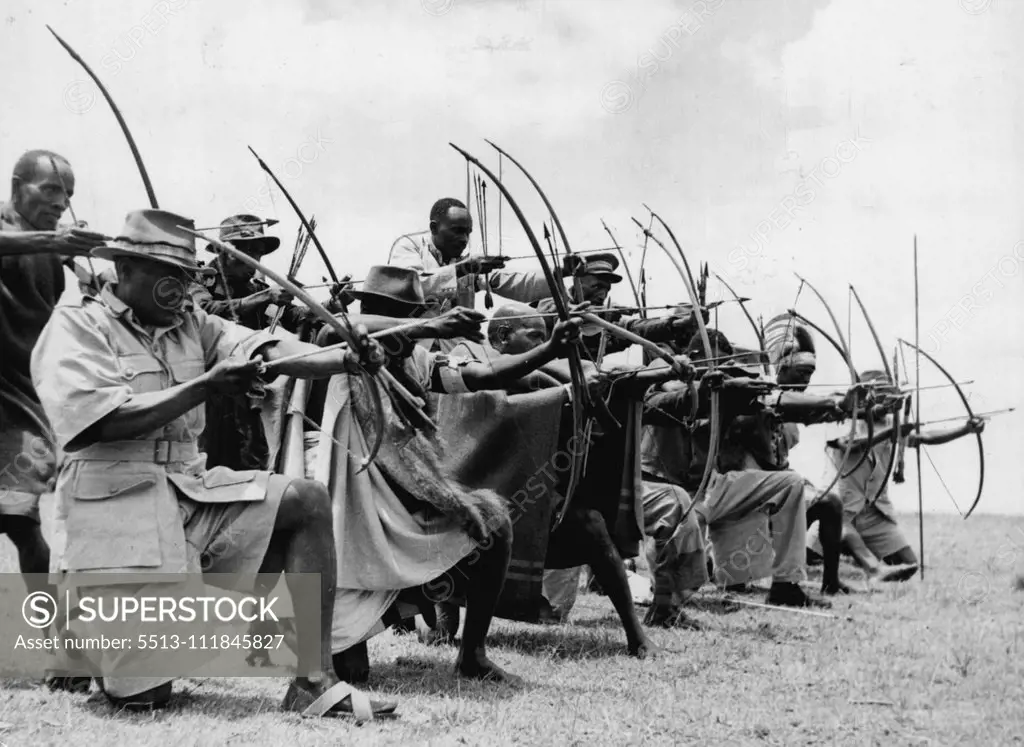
point(161, 451)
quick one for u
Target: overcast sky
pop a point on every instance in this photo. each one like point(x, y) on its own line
point(773, 136)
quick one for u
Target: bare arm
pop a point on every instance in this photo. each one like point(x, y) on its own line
point(534, 381)
point(668, 404)
point(243, 305)
point(941, 436)
point(799, 407)
point(145, 413)
point(73, 242)
point(507, 369)
point(880, 435)
point(319, 364)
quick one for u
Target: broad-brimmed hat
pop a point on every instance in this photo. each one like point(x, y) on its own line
point(603, 265)
point(245, 236)
point(394, 284)
point(154, 235)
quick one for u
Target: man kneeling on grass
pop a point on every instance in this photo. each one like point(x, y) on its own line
point(407, 529)
point(123, 377)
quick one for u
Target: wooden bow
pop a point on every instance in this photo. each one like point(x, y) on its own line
point(758, 332)
point(715, 424)
point(898, 475)
point(117, 114)
point(853, 416)
point(577, 378)
point(302, 217)
point(596, 408)
point(844, 349)
point(895, 435)
point(625, 265)
point(970, 414)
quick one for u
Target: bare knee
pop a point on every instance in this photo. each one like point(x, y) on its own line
point(592, 525)
point(305, 502)
point(829, 508)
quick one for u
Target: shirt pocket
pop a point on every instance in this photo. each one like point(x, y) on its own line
point(186, 370)
point(224, 485)
point(183, 371)
point(142, 372)
point(112, 520)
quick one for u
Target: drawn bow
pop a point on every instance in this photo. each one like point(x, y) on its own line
point(970, 414)
point(853, 416)
point(844, 351)
point(895, 435)
point(715, 425)
point(577, 380)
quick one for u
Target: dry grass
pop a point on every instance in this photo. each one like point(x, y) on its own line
point(937, 662)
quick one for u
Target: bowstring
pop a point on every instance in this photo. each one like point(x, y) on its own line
point(941, 480)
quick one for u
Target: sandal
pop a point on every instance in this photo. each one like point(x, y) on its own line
point(339, 700)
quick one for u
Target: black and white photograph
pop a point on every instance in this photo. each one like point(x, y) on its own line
point(493, 372)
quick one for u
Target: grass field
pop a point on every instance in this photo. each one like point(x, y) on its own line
point(920, 663)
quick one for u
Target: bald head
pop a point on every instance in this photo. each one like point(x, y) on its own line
point(39, 192)
point(516, 328)
point(30, 163)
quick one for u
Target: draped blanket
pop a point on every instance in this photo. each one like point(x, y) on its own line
point(610, 485)
point(507, 443)
point(521, 446)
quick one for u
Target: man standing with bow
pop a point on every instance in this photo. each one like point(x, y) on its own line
point(32, 255)
point(449, 277)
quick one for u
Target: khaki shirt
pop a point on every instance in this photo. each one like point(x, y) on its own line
point(121, 499)
point(858, 488)
point(443, 290)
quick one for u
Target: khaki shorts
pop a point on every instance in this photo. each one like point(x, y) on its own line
point(881, 534)
point(227, 538)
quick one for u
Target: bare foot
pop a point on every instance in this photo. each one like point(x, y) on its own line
point(643, 648)
point(791, 595)
point(667, 616)
point(831, 588)
point(479, 667)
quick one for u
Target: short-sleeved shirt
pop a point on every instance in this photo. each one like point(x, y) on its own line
point(443, 288)
point(860, 487)
point(121, 504)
